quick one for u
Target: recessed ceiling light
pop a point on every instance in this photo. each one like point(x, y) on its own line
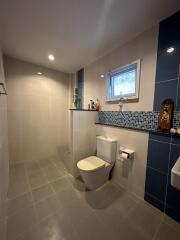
point(170, 49)
point(51, 57)
point(102, 75)
point(39, 73)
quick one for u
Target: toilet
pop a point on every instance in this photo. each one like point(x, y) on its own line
point(95, 170)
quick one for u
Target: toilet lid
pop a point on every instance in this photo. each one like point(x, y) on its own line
point(90, 164)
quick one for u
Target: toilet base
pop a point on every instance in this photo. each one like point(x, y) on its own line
point(96, 179)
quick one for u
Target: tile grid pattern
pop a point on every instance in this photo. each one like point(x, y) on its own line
point(163, 151)
point(62, 209)
point(34, 195)
point(137, 119)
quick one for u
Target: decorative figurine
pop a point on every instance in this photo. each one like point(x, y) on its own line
point(165, 116)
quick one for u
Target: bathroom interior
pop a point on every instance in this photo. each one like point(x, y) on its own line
point(90, 120)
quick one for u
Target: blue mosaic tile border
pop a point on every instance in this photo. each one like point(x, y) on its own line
point(137, 119)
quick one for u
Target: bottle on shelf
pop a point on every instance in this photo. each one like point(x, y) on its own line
point(97, 105)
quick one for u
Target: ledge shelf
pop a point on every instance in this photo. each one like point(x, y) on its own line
point(78, 109)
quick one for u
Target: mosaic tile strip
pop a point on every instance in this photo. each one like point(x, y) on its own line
point(138, 119)
point(176, 120)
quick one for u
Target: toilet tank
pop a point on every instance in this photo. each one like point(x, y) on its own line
point(106, 149)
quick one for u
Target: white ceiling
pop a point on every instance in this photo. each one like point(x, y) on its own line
point(76, 31)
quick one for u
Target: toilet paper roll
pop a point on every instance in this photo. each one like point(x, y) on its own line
point(124, 155)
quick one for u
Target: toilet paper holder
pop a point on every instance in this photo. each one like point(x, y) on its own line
point(126, 153)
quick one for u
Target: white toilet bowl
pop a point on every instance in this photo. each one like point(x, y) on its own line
point(95, 170)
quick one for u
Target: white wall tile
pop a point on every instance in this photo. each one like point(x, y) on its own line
point(4, 157)
point(37, 111)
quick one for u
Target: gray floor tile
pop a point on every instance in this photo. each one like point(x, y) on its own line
point(35, 173)
point(61, 208)
point(118, 205)
point(78, 210)
point(32, 166)
point(53, 173)
point(145, 219)
point(20, 222)
point(58, 163)
point(37, 179)
point(126, 231)
point(68, 195)
point(3, 229)
point(168, 220)
point(101, 197)
point(92, 228)
point(44, 163)
point(47, 207)
point(166, 232)
point(17, 187)
point(42, 193)
point(17, 170)
point(17, 204)
point(31, 234)
point(61, 184)
point(56, 227)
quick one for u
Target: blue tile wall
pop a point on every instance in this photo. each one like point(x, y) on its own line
point(164, 90)
point(154, 201)
point(80, 85)
point(168, 64)
point(156, 184)
point(172, 207)
point(161, 138)
point(174, 154)
point(163, 151)
point(158, 157)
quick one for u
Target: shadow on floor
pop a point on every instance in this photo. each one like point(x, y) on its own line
point(101, 197)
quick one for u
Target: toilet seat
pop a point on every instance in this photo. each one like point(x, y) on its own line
point(91, 164)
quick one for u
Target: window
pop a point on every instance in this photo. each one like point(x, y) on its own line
point(124, 82)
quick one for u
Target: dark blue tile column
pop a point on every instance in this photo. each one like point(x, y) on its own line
point(163, 151)
point(80, 86)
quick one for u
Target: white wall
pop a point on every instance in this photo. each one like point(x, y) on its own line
point(144, 47)
point(37, 111)
point(4, 160)
point(83, 137)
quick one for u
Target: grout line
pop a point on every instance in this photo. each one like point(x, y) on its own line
point(174, 144)
point(157, 231)
point(33, 203)
point(30, 191)
point(177, 93)
point(165, 81)
point(167, 175)
point(157, 170)
point(49, 182)
point(155, 199)
point(159, 141)
point(20, 235)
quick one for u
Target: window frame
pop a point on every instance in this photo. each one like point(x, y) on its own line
point(109, 97)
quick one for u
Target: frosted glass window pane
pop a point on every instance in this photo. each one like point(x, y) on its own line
point(124, 83)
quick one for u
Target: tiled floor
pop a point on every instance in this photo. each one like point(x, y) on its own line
point(45, 203)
